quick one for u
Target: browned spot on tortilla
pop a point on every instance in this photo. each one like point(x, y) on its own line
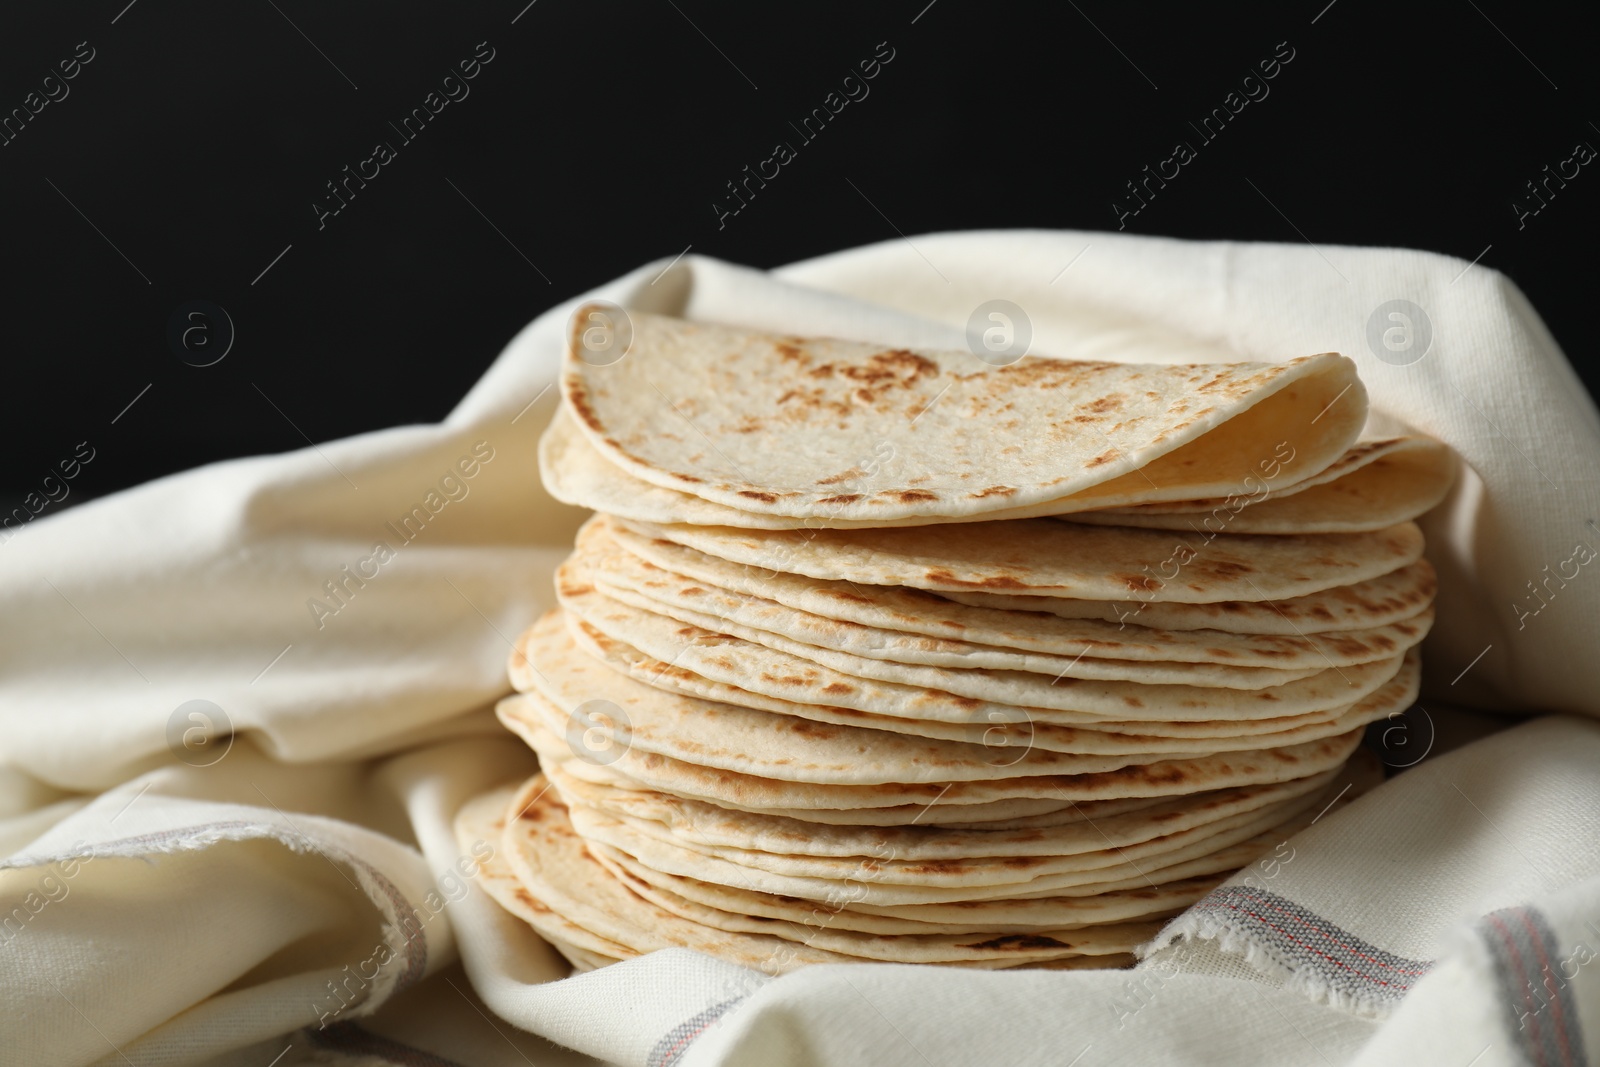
point(753, 494)
point(838, 688)
point(1138, 582)
point(578, 399)
point(1353, 647)
point(528, 902)
point(1170, 773)
point(993, 581)
point(1102, 458)
point(994, 490)
point(844, 498)
point(898, 364)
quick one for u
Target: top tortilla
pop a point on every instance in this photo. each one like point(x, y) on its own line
point(838, 430)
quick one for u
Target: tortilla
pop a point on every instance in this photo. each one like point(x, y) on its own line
point(949, 694)
point(528, 715)
point(994, 812)
point(1413, 453)
point(1376, 484)
point(557, 868)
point(626, 714)
point(1397, 596)
point(1025, 625)
point(884, 882)
point(705, 825)
point(976, 916)
point(1007, 732)
point(859, 432)
point(1088, 940)
point(483, 820)
point(627, 580)
point(1052, 558)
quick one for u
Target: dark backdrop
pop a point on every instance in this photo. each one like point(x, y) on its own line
point(183, 159)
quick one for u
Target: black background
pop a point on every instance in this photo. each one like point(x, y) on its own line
point(598, 138)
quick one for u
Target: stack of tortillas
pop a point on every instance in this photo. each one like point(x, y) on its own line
point(887, 655)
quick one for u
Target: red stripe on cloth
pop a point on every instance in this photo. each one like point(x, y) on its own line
point(1326, 934)
point(1527, 987)
point(1535, 936)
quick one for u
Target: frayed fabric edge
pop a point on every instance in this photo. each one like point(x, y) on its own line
point(1307, 981)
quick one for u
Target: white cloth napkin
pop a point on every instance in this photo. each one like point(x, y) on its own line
point(171, 896)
